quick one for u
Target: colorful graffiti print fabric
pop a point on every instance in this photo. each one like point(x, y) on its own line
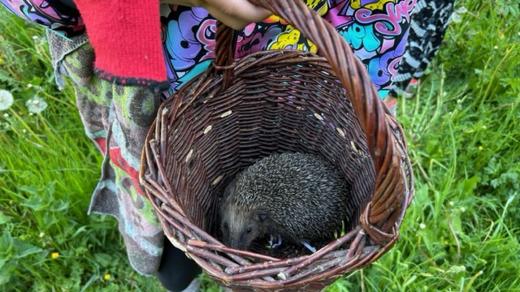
point(376, 30)
point(116, 117)
point(54, 16)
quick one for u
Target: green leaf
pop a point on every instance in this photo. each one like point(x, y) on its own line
point(4, 218)
point(24, 249)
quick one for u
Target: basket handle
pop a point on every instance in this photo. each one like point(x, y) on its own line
point(382, 213)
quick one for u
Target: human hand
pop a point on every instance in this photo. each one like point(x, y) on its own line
point(234, 13)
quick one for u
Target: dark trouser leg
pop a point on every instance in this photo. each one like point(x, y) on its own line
point(176, 270)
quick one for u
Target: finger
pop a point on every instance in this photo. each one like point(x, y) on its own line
point(237, 12)
point(231, 21)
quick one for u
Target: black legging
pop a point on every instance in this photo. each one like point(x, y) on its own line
point(176, 270)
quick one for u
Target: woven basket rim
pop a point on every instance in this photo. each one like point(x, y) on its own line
point(199, 250)
point(379, 223)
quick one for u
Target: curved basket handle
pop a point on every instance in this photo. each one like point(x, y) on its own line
point(382, 213)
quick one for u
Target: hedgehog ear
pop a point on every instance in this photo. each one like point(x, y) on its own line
point(230, 188)
point(262, 216)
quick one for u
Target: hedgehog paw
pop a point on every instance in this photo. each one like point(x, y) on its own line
point(308, 246)
point(275, 241)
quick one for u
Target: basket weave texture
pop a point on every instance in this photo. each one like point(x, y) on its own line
point(278, 101)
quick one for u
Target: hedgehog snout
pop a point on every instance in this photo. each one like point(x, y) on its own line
point(236, 243)
point(243, 238)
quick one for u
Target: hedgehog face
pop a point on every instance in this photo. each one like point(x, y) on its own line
point(241, 227)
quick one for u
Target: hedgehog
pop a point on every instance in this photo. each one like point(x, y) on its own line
point(290, 196)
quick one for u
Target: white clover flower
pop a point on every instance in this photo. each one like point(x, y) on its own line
point(36, 105)
point(462, 10)
point(6, 99)
point(422, 226)
point(456, 16)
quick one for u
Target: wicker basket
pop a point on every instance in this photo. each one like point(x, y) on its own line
point(278, 101)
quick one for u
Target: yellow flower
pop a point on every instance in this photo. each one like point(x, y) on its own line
point(107, 277)
point(55, 255)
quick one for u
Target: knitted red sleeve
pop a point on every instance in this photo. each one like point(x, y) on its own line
point(126, 37)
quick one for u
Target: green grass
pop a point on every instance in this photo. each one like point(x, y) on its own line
point(461, 233)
